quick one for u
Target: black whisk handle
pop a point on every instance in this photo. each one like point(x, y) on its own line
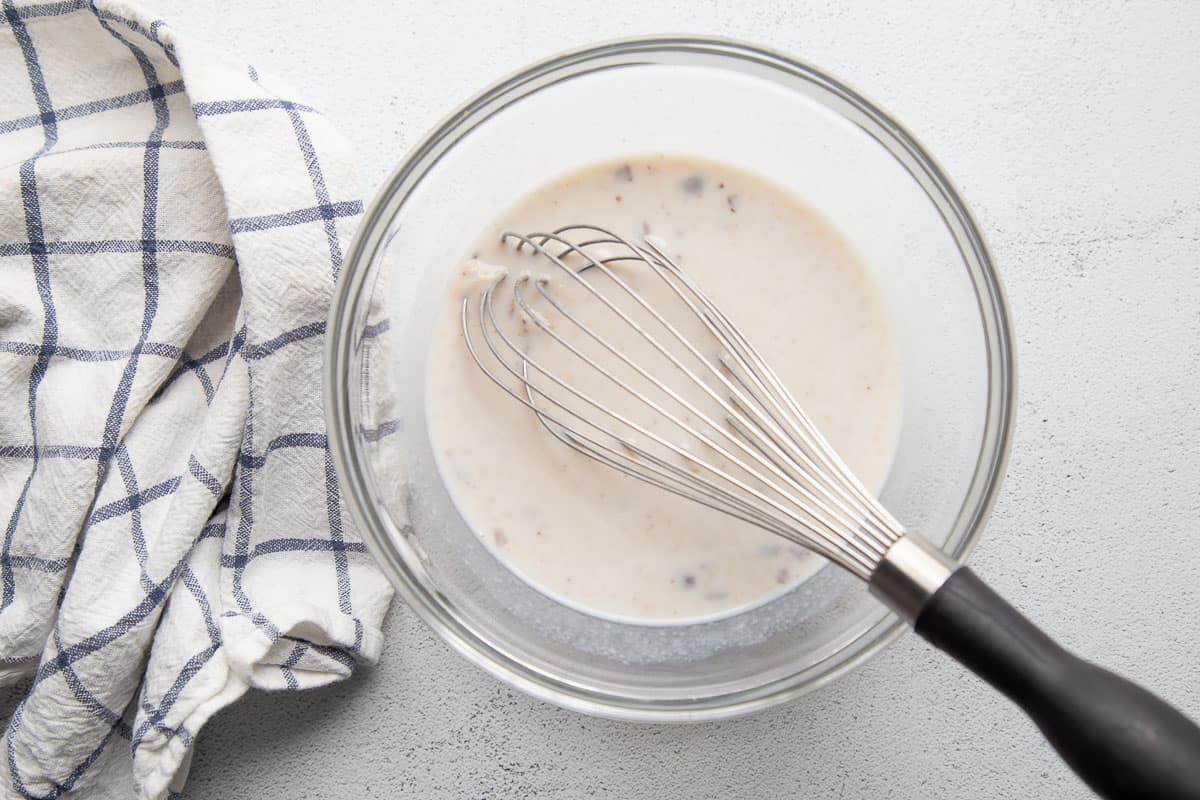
point(1123, 741)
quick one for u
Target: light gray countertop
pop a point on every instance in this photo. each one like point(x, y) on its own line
point(1073, 129)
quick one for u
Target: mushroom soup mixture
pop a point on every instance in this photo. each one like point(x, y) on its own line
point(602, 541)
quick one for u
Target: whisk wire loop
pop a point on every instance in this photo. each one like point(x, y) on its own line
point(761, 460)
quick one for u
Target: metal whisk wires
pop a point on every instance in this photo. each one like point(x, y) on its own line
point(637, 385)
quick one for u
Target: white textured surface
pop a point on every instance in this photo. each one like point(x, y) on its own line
point(1073, 129)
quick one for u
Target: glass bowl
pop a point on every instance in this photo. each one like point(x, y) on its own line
point(722, 101)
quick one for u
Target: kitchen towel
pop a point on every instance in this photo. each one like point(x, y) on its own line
point(171, 225)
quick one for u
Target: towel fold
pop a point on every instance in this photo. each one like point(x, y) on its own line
point(171, 225)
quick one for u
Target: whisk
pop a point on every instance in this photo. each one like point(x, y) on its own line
point(695, 410)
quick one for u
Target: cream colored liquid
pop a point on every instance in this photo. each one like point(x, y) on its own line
point(598, 539)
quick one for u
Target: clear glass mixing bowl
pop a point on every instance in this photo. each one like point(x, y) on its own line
point(727, 102)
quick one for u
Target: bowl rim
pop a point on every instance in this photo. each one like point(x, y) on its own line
point(492, 656)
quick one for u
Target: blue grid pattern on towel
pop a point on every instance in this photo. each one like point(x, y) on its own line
point(108, 452)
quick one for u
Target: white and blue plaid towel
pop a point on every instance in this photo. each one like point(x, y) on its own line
point(171, 225)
